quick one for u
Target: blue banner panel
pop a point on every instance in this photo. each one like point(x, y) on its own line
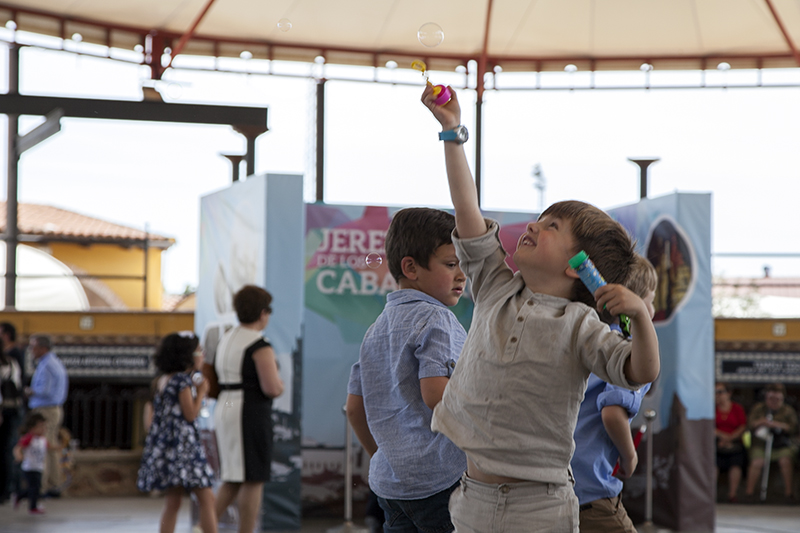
point(674, 233)
point(252, 233)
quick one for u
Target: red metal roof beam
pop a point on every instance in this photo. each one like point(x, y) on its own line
point(189, 33)
point(482, 61)
point(788, 39)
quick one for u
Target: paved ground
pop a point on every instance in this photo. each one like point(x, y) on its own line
point(140, 515)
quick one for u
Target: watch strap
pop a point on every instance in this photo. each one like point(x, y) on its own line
point(449, 135)
point(452, 135)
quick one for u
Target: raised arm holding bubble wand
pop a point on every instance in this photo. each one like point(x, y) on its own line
point(512, 401)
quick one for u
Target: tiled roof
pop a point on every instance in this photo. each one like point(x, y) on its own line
point(55, 223)
point(766, 286)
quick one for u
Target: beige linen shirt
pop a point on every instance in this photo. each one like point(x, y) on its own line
point(512, 401)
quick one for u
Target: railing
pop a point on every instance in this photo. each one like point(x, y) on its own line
point(102, 417)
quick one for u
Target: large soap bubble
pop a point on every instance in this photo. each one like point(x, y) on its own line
point(430, 34)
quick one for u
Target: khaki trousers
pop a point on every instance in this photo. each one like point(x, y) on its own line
point(54, 415)
point(527, 507)
point(606, 515)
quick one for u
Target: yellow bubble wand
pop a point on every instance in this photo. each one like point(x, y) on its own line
point(441, 92)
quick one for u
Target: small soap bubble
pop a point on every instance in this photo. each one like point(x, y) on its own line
point(430, 34)
point(571, 68)
point(374, 260)
point(228, 404)
point(284, 25)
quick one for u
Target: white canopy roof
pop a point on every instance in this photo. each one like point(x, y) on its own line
point(525, 35)
point(56, 290)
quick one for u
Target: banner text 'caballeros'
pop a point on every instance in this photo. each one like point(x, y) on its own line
point(344, 250)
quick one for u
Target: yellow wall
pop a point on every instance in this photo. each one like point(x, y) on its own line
point(757, 329)
point(112, 259)
point(103, 323)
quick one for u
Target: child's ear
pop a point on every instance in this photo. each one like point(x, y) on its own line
point(409, 267)
point(572, 273)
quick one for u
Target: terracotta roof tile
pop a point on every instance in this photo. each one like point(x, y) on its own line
point(36, 219)
point(786, 287)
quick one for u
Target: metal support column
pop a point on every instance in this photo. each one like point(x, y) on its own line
point(320, 140)
point(649, 416)
point(479, 141)
point(644, 163)
point(348, 526)
point(250, 133)
point(12, 157)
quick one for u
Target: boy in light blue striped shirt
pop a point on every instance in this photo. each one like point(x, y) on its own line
point(406, 360)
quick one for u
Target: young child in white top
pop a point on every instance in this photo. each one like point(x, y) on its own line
point(31, 451)
point(512, 401)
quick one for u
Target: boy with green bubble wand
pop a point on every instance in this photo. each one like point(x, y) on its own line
point(512, 401)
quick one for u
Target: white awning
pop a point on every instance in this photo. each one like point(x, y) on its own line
point(54, 287)
point(521, 35)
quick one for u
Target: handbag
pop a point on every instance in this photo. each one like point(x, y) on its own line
point(210, 373)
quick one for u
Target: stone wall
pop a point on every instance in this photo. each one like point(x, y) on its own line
point(104, 473)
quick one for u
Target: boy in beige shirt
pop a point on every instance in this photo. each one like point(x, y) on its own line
point(512, 401)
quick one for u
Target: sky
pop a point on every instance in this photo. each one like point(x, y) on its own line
point(739, 144)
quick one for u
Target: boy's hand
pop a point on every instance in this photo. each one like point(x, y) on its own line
point(449, 114)
point(619, 300)
point(627, 466)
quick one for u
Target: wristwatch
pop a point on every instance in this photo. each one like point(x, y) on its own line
point(458, 135)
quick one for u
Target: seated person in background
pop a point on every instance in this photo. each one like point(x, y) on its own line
point(731, 423)
point(780, 419)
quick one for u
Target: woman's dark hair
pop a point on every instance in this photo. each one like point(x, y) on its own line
point(175, 353)
point(249, 302)
point(9, 329)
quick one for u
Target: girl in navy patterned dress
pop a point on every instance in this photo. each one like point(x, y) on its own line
point(173, 459)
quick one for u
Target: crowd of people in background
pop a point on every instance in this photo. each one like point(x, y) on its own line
point(751, 442)
point(31, 446)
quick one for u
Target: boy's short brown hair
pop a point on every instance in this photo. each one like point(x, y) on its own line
point(31, 419)
point(417, 232)
point(604, 239)
point(643, 277)
point(249, 301)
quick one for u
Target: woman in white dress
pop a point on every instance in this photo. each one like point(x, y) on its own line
point(248, 378)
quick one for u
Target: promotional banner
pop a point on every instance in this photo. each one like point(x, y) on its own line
point(346, 281)
point(674, 233)
point(337, 286)
point(252, 233)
